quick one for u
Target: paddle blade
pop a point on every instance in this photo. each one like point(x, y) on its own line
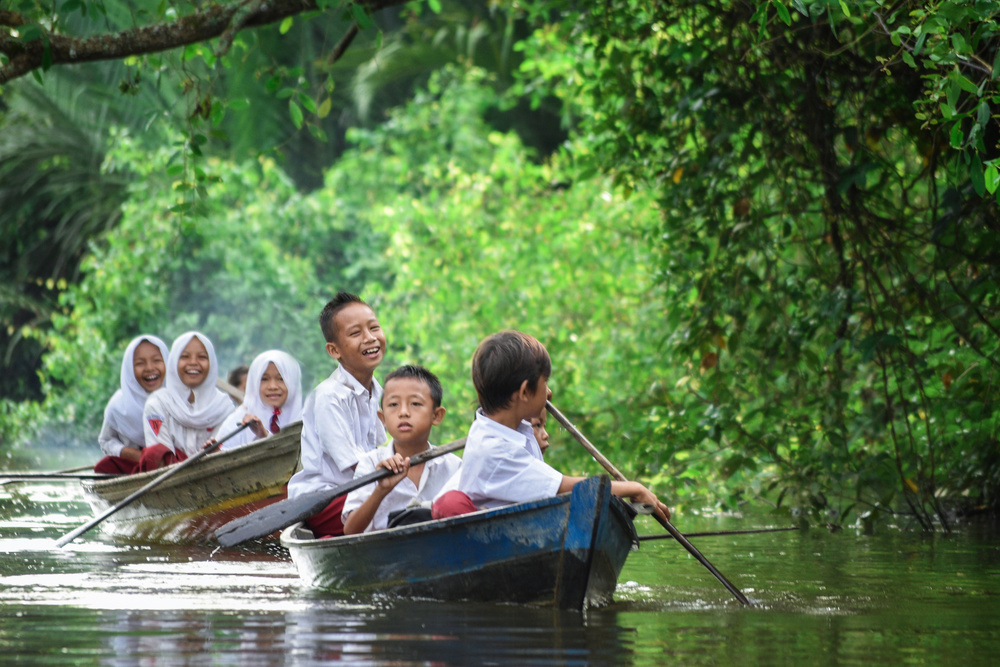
point(271, 518)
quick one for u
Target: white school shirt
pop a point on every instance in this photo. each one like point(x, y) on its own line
point(169, 418)
point(291, 410)
point(435, 474)
point(123, 421)
point(503, 466)
point(162, 426)
point(339, 423)
point(113, 441)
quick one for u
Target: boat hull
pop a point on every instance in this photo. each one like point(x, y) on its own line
point(565, 552)
point(191, 505)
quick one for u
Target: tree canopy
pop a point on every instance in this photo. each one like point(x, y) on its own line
point(39, 36)
point(763, 256)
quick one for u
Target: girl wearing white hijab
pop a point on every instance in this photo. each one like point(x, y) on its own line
point(272, 401)
point(121, 437)
point(182, 416)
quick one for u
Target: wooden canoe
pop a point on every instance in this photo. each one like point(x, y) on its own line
point(564, 552)
point(190, 506)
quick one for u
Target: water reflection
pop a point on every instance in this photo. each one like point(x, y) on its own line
point(320, 632)
point(837, 599)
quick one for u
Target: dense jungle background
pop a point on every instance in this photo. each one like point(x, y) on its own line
point(760, 239)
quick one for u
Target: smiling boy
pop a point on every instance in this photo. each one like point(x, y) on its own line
point(340, 416)
point(411, 406)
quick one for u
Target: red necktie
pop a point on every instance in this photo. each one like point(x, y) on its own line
point(274, 420)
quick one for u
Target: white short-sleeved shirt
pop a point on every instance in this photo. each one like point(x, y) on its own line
point(339, 423)
point(162, 426)
point(502, 466)
point(435, 474)
point(114, 439)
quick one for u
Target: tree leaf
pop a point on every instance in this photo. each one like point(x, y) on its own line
point(295, 111)
point(324, 108)
point(782, 11)
point(361, 16)
point(977, 176)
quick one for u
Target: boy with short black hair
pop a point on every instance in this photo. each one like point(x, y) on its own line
point(411, 406)
point(502, 463)
point(340, 416)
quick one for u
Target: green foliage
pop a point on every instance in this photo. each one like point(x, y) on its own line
point(224, 273)
point(481, 238)
point(55, 194)
point(451, 229)
point(828, 259)
point(764, 265)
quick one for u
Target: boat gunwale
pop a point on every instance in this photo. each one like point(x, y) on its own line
point(288, 538)
point(318, 559)
point(267, 448)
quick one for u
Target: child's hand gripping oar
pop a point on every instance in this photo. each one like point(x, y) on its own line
point(168, 473)
point(284, 513)
point(614, 472)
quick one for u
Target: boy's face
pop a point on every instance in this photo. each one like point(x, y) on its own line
point(534, 403)
point(360, 344)
point(408, 410)
point(541, 435)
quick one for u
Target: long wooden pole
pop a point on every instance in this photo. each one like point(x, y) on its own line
point(233, 392)
point(284, 513)
point(718, 533)
point(27, 476)
point(170, 472)
point(615, 473)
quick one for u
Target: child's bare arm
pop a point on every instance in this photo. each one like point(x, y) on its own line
point(632, 490)
point(640, 494)
point(359, 519)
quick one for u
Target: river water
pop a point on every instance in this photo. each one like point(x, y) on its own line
point(827, 599)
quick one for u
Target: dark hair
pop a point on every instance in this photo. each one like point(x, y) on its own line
point(237, 373)
point(502, 362)
point(422, 374)
point(330, 310)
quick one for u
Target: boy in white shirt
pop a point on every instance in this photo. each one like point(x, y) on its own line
point(411, 406)
point(503, 463)
point(340, 416)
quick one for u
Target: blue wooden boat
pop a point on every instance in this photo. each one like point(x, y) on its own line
point(564, 552)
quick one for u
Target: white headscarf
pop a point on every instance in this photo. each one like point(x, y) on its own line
point(124, 410)
point(291, 410)
point(210, 405)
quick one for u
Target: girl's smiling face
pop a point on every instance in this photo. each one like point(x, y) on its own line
point(272, 387)
point(194, 364)
point(148, 365)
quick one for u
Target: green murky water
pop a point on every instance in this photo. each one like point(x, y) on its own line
point(821, 598)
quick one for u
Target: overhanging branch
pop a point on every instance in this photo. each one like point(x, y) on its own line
point(201, 26)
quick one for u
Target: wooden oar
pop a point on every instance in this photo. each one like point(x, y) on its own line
point(168, 473)
point(28, 476)
point(718, 533)
point(614, 472)
point(234, 392)
point(284, 513)
point(11, 477)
